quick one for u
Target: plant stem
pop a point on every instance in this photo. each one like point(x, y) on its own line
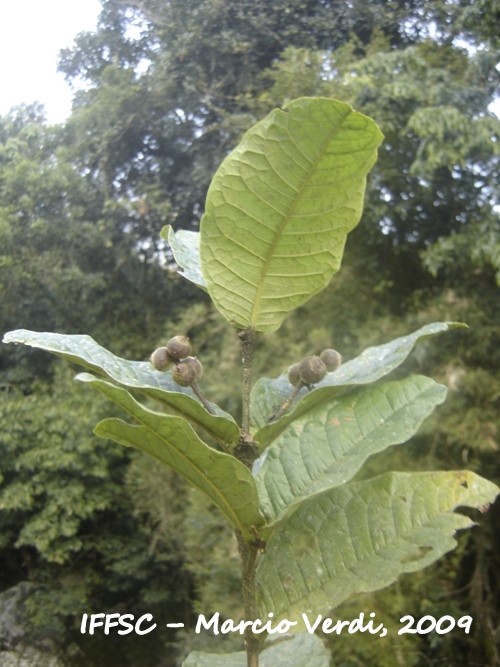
point(247, 337)
point(248, 553)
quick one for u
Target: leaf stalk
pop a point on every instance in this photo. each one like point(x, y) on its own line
point(286, 404)
point(247, 337)
point(206, 404)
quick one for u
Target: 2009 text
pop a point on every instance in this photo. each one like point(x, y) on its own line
point(428, 624)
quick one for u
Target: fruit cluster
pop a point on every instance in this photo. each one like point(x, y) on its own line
point(313, 369)
point(187, 369)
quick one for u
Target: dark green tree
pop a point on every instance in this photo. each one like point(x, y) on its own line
point(71, 257)
point(189, 76)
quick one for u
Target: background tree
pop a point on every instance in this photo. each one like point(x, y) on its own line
point(70, 259)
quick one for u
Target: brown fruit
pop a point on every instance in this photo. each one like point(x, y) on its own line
point(312, 370)
point(179, 347)
point(331, 358)
point(294, 375)
point(196, 365)
point(160, 359)
point(183, 374)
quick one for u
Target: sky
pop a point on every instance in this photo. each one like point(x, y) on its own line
point(32, 32)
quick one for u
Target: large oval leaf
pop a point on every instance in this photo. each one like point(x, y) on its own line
point(328, 446)
point(171, 440)
point(138, 375)
point(280, 206)
point(360, 537)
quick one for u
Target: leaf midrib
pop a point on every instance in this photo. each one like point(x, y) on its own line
point(286, 220)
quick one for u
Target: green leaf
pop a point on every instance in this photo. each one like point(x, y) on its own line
point(302, 650)
point(139, 375)
point(371, 365)
point(280, 207)
point(186, 248)
point(171, 440)
point(360, 537)
point(327, 447)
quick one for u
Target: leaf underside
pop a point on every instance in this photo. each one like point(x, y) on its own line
point(302, 650)
point(280, 206)
point(360, 537)
point(171, 440)
point(137, 375)
point(185, 246)
point(327, 447)
point(371, 365)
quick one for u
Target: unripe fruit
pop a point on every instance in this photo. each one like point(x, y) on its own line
point(160, 359)
point(294, 375)
point(312, 370)
point(196, 365)
point(331, 358)
point(179, 347)
point(183, 374)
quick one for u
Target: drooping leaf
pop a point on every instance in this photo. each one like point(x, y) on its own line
point(138, 375)
point(186, 248)
point(371, 365)
point(329, 445)
point(360, 537)
point(171, 440)
point(280, 207)
point(302, 650)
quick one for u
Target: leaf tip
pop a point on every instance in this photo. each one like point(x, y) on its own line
point(165, 232)
point(85, 377)
point(457, 325)
point(13, 336)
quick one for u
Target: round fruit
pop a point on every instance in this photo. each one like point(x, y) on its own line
point(312, 370)
point(294, 375)
point(196, 365)
point(183, 374)
point(179, 347)
point(331, 359)
point(160, 359)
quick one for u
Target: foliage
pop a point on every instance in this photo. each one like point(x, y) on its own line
point(63, 244)
point(162, 110)
point(67, 521)
point(286, 485)
point(72, 500)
